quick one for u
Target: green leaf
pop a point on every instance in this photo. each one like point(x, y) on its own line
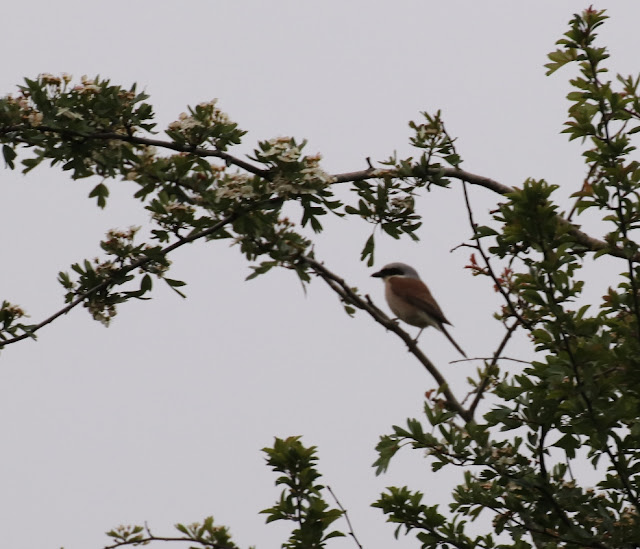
point(560, 58)
point(483, 231)
point(9, 155)
point(368, 251)
point(349, 310)
point(101, 192)
point(174, 285)
point(146, 283)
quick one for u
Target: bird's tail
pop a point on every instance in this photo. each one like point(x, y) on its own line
point(453, 341)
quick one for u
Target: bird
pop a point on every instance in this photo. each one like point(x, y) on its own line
point(411, 301)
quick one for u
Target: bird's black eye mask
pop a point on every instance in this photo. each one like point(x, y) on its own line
point(388, 272)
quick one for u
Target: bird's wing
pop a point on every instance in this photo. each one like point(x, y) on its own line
point(417, 294)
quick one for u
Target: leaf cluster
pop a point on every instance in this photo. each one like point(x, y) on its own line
point(205, 534)
point(301, 501)
point(388, 203)
point(96, 129)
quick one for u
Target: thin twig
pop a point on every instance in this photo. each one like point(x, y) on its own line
point(346, 516)
point(487, 263)
point(548, 493)
point(496, 356)
point(473, 359)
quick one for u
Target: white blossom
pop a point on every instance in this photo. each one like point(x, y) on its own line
point(236, 187)
point(35, 118)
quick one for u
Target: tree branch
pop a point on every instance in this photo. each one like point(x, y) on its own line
point(349, 296)
point(582, 238)
point(149, 539)
point(106, 283)
point(112, 136)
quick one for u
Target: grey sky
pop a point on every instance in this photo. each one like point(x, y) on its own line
point(161, 417)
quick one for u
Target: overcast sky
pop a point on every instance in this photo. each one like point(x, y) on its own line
point(161, 417)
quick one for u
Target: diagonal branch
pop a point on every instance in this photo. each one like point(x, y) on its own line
point(496, 356)
point(339, 286)
point(346, 516)
point(106, 283)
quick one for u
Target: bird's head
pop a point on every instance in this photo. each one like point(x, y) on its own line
point(396, 269)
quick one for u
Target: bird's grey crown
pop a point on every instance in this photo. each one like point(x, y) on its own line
point(398, 269)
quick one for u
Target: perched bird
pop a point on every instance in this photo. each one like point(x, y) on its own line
point(410, 299)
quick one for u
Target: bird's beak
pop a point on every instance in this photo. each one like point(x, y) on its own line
point(378, 274)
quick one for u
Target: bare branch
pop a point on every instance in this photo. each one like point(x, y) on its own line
point(490, 367)
point(472, 359)
point(346, 516)
point(485, 258)
point(349, 296)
